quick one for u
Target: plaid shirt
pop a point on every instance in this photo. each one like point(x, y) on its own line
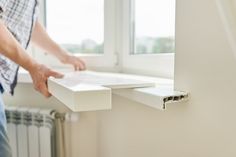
point(19, 16)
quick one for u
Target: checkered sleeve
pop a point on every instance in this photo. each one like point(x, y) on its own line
point(3, 4)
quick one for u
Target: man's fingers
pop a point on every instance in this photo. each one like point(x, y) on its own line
point(83, 64)
point(79, 65)
point(42, 88)
point(40, 76)
point(76, 68)
point(55, 74)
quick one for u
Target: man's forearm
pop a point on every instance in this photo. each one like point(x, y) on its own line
point(41, 39)
point(10, 48)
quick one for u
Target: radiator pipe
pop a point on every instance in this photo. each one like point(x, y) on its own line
point(61, 148)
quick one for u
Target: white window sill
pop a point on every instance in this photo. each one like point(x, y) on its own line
point(153, 92)
point(156, 97)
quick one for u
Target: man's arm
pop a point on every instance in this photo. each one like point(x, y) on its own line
point(41, 39)
point(10, 48)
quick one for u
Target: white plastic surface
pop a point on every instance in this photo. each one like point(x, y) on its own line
point(76, 80)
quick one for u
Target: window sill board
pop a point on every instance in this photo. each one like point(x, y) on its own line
point(90, 96)
point(155, 97)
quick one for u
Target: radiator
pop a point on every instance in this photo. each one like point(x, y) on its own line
point(32, 132)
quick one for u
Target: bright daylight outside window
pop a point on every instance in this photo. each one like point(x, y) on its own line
point(152, 26)
point(77, 25)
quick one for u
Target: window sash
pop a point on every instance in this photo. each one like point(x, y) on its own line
point(105, 60)
point(134, 31)
point(148, 64)
point(117, 55)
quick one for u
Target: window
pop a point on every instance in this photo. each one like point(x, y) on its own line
point(86, 28)
point(148, 44)
point(131, 36)
point(77, 25)
point(152, 26)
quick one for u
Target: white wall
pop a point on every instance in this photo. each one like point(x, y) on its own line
point(205, 66)
point(202, 127)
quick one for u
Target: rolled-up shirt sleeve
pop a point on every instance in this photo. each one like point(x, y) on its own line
point(3, 4)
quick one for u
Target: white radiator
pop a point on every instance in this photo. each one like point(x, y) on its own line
point(32, 132)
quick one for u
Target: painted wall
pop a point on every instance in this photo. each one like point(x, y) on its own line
point(202, 127)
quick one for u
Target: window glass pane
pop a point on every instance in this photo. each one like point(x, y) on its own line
point(77, 25)
point(152, 26)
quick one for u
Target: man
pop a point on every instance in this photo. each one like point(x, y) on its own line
point(19, 26)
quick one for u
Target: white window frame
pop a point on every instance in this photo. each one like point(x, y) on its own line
point(117, 55)
point(106, 61)
point(146, 64)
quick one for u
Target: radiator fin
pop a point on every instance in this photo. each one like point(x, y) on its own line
point(31, 132)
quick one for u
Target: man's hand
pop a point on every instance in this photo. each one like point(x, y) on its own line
point(76, 62)
point(40, 74)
